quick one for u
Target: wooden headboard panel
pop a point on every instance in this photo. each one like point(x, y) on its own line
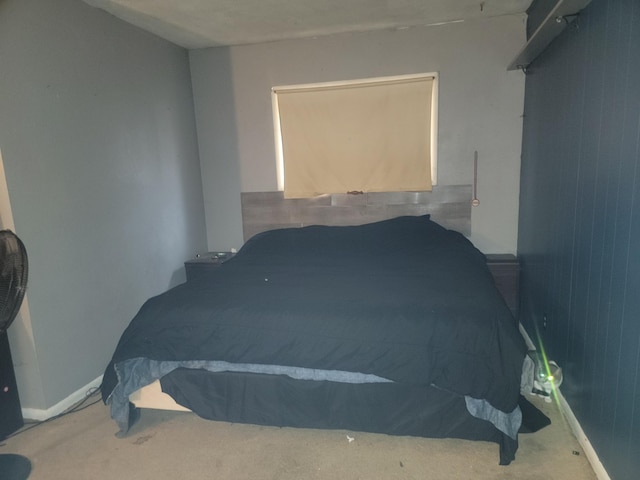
point(449, 205)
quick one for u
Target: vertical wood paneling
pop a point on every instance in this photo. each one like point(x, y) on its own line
point(626, 415)
point(579, 232)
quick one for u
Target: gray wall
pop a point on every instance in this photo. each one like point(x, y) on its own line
point(579, 237)
point(480, 108)
point(97, 133)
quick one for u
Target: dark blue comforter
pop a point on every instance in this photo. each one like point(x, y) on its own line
point(403, 299)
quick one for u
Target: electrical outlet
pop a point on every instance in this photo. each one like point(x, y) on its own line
point(544, 321)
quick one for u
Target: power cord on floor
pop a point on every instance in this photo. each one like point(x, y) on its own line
point(78, 407)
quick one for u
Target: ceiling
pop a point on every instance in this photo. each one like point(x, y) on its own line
point(210, 23)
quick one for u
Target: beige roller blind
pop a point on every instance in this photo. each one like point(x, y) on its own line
point(370, 137)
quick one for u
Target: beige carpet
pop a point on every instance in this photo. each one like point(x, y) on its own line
point(171, 445)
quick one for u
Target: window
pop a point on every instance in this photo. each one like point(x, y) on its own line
point(367, 135)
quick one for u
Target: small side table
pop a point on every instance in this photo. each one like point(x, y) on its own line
point(505, 269)
point(205, 262)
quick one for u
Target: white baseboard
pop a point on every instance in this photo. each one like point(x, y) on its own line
point(584, 442)
point(527, 338)
point(62, 405)
point(566, 411)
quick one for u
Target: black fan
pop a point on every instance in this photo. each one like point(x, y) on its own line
point(14, 270)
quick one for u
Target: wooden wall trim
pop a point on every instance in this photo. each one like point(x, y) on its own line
point(449, 205)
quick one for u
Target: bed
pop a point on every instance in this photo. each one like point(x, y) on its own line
point(392, 327)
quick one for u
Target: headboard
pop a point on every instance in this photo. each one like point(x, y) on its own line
point(449, 205)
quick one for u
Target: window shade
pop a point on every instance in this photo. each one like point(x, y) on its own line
point(369, 137)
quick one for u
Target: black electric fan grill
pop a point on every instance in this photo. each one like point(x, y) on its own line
point(14, 272)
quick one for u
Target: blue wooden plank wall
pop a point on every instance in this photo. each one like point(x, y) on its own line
point(579, 228)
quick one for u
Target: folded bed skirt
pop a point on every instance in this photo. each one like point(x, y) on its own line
point(279, 400)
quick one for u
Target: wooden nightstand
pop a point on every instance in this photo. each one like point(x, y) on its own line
point(505, 269)
point(205, 262)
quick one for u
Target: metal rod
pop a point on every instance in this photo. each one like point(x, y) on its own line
point(475, 202)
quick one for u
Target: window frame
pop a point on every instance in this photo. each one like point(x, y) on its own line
point(355, 82)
